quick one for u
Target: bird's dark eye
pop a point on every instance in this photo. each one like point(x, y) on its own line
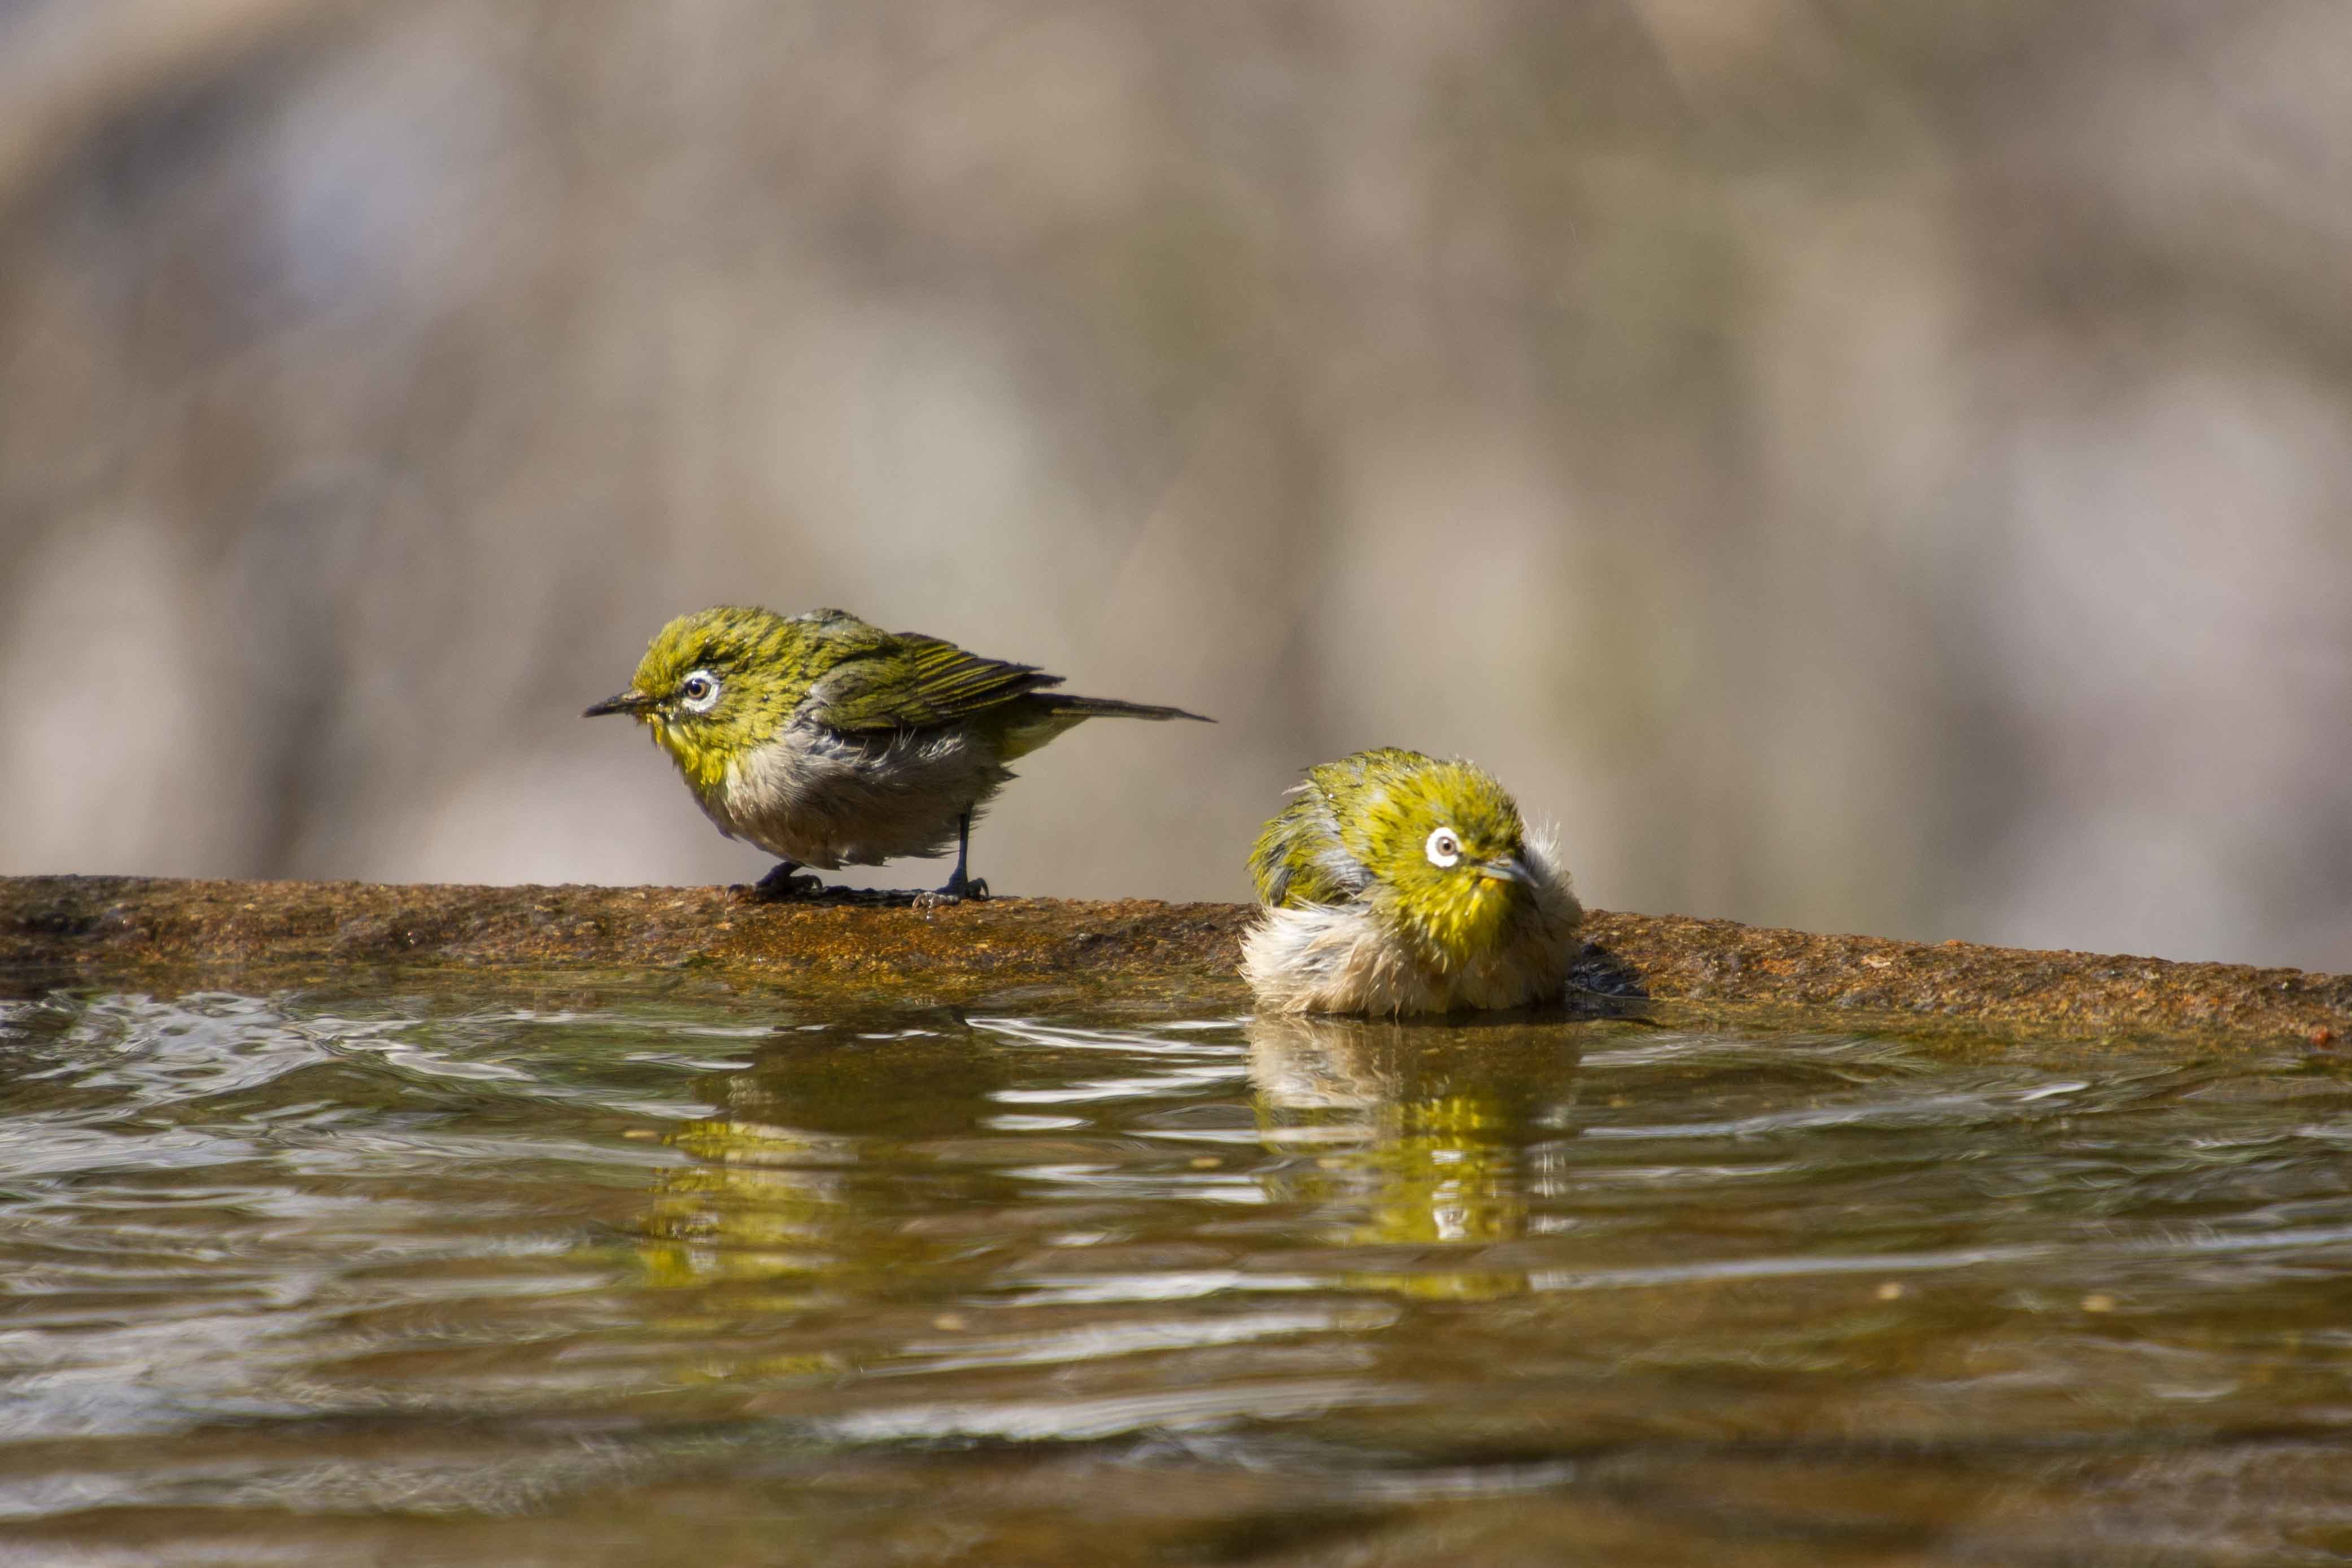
point(1444, 849)
point(698, 691)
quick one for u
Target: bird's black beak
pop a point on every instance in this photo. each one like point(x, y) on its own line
point(627, 702)
point(1508, 868)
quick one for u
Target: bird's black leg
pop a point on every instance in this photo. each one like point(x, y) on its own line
point(960, 885)
point(786, 880)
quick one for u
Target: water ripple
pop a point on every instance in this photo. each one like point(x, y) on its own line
point(380, 1254)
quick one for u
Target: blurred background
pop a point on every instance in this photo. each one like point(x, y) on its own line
point(1853, 465)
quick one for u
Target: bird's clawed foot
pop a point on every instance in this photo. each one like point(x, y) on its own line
point(785, 882)
point(958, 888)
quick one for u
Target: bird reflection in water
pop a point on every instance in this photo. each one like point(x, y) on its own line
point(797, 1181)
point(1415, 1137)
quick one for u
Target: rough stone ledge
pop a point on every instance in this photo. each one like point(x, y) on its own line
point(99, 930)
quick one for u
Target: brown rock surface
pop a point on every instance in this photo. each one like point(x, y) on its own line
point(98, 930)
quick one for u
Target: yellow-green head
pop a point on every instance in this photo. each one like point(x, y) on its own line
point(715, 684)
point(1434, 847)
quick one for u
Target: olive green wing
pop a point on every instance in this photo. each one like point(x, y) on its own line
point(907, 681)
point(1298, 858)
point(1311, 852)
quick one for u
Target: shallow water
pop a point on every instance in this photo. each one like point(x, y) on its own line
point(622, 1277)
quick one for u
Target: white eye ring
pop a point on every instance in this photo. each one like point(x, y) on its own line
point(699, 693)
point(1443, 847)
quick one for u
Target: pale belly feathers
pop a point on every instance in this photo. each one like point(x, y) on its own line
point(822, 799)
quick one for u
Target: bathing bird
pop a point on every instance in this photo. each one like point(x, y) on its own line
point(1395, 883)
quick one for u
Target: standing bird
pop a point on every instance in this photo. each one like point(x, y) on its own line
point(1398, 883)
point(828, 742)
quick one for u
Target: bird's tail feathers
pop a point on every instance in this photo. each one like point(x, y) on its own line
point(1112, 708)
point(1053, 713)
